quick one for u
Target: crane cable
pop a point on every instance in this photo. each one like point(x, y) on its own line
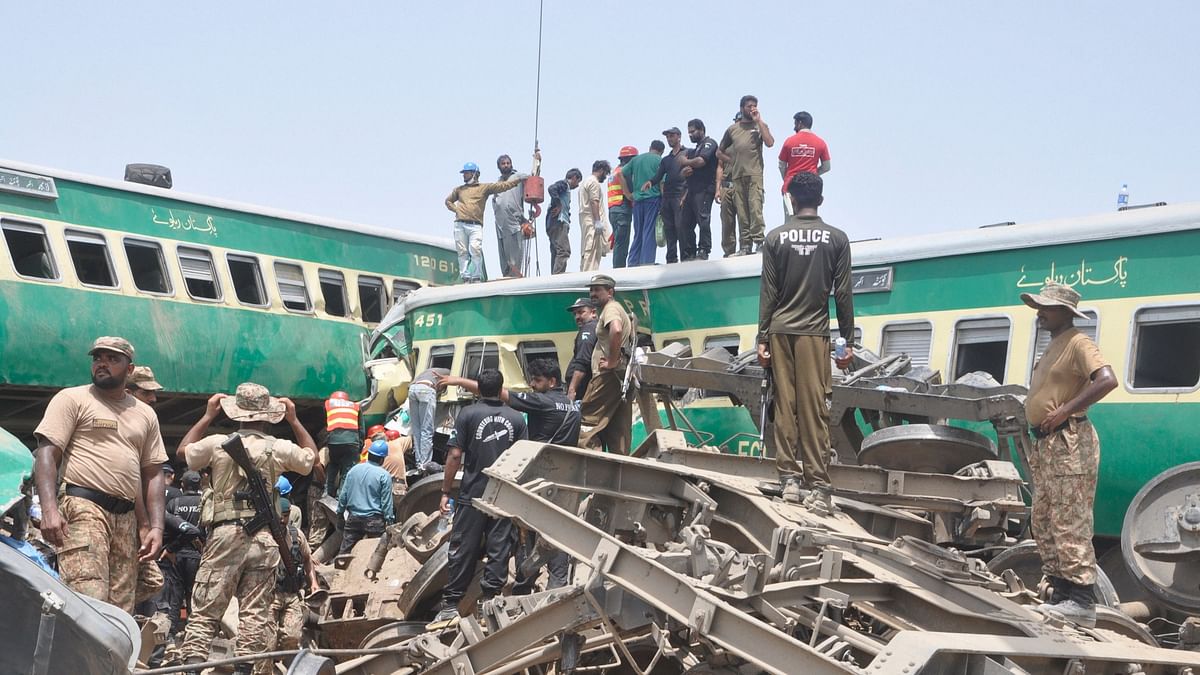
point(537, 169)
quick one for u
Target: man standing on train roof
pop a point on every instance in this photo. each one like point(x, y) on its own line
point(342, 424)
point(110, 452)
point(579, 370)
point(466, 202)
point(620, 207)
point(1071, 375)
point(511, 220)
point(235, 562)
point(482, 432)
point(803, 262)
point(741, 151)
point(669, 180)
point(558, 219)
point(700, 172)
point(594, 231)
point(607, 413)
point(646, 202)
point(366, 499)
point(802, 151)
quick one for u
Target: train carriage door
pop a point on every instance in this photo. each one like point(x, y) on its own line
point(981, 345)
point(914, 339)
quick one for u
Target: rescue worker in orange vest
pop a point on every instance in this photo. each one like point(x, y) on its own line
point(620, 208)
point(341, 421)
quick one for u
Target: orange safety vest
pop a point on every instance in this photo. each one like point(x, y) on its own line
point(341, 414)
point(615, 196)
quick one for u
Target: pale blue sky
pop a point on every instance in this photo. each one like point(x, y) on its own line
point(938, 115)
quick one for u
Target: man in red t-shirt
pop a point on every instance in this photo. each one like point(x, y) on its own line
point(802, 151)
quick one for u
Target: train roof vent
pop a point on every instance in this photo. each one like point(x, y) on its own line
point(1141, 206)
point(148, 174)
point(1005, 223)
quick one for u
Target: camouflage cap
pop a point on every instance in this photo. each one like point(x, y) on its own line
point(143, 378)
point(1054, 294)
point(602, 280)
point(253, 403)
point(113, 344)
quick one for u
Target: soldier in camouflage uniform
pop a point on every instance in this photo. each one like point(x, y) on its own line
point(287, 605)
point(234, 562)
point(1070, 376)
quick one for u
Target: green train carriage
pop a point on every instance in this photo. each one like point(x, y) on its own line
point(949, 300)
point(210, 292)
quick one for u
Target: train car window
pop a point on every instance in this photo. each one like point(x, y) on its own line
point(481, 356)
point(30, 250)
point(247, 280)
point(441, 356)
point(686, 342)
point(1166, 348)
point(148, 266)
point(914, 339)
point(333, 289)
point(290, 280)
point(199, 273)
point(533, 350)
point(371, 298)
point(1086, 326)
point(731, 343)
point(401, 289)
point(89, 253)
point(981, 345)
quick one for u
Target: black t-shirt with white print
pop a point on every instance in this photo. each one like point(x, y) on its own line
point(483, 431)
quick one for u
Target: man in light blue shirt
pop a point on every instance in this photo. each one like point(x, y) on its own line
point(366, 499)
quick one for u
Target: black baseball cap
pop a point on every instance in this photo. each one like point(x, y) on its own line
point(673, 130)
point(581, 303)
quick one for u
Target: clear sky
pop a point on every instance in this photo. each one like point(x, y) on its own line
point(938, 116)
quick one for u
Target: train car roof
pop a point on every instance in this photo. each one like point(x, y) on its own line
point(373, 230)
point(1116, 225)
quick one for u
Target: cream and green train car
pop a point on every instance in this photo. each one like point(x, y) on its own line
point(949, 300)
point(210, 292)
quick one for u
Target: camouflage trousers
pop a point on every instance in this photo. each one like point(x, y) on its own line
point(287, 613)
point(233, 564)
point(1064, 467)
point(99, 556)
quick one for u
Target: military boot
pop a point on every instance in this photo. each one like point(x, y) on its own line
point(819, 501)
point(1079, 607)
point(1059, 590)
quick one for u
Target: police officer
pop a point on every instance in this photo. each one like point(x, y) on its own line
point(1071, 375)
point(803, 260)
point(579, 370)
point(184, 545)
point(235, 562)
point(607, 413)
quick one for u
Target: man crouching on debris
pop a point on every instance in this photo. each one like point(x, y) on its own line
point(1070, 376)
point(803, 260)
point(481, 433)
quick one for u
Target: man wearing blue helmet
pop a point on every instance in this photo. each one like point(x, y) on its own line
point(467, 202)
point(366, 499)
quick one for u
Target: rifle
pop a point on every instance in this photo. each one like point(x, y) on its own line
point(264, 507)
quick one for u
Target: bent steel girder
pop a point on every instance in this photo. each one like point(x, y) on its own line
point(800, 574)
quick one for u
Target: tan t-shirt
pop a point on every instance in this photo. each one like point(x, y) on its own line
point(590, 192)
point(744, 145)
point(1063, 371)
point(105, 443)
point(612, 311)
point(287, 455)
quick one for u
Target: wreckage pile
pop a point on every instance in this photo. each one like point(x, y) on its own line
point(685, 561)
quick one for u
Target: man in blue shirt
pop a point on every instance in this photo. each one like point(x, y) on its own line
point(366, 499)
point(558, 220)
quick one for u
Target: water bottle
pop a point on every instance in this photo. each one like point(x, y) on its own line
point(447, 519)
point(839, 348)
point(1123, 196)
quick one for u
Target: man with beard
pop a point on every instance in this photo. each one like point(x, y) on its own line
point(466, 202)
point(670, 183)
point(579, 370)
point(110, 450)
point(700, 172)
point(607, 414)
point(558, 220)
point(511, 221)
point(741, 151)
point(593, 225)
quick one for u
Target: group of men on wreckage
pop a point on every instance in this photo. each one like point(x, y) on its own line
point(99, 456)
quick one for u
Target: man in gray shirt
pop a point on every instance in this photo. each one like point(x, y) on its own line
point(511, 219)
